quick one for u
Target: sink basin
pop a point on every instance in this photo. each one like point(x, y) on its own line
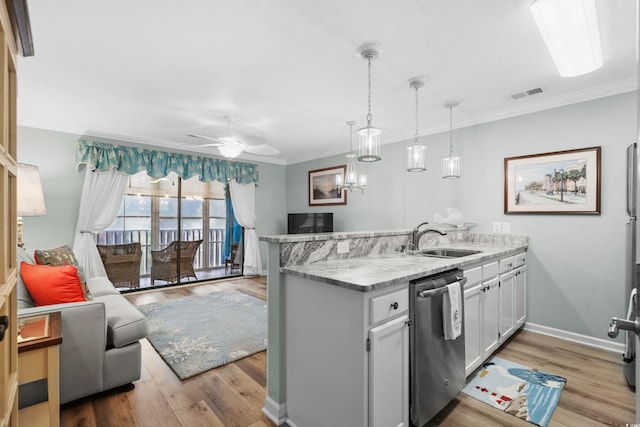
point(447, 253)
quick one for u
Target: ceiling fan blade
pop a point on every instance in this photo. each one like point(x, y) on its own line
point(216, 142)
point(250, 140)
point(262, 150)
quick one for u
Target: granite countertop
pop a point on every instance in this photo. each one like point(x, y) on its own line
point(338, 235)
point(372, 272)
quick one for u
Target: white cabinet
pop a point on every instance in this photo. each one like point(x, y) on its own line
point(481, 316)
point(389, 374)
point(347, 355)
point(494, 306)
point(520, 295)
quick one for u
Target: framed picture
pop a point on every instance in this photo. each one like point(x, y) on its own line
point(562, 182)
point(323, 189)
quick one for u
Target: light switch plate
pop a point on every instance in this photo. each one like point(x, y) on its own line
point(497, 227)
point(343, 247)
point(506, 227)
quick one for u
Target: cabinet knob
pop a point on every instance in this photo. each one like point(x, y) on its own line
point(4, 325)
point(394, 305)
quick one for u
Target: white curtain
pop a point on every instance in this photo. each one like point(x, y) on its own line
point(102, 195)
point(243, 198)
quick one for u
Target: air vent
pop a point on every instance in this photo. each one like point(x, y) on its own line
point(526, 93)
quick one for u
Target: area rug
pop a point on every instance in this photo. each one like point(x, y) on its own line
point(196, 333)
point(526, 393)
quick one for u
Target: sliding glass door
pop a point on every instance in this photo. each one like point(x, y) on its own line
point(181, 227)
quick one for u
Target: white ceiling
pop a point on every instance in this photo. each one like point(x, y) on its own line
point(152, 71)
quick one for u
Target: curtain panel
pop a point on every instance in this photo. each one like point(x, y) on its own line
point(158, 164)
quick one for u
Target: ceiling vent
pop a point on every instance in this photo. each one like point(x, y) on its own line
point(526, 93)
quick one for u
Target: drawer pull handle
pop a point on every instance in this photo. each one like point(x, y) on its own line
point(394, 305)
point(4, 325)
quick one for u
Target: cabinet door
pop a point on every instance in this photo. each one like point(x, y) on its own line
point(520, 296)
point(473, 350)
point(490, 317)
point(389, 374)
point(507, 322)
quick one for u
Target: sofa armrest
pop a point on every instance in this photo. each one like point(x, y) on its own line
point(82, 352)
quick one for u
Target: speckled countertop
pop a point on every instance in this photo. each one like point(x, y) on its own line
point(372, 272)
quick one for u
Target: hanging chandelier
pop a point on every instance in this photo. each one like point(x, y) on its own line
point(369, 136)
point(451, 164)
point(351, 179)
point(416, 153)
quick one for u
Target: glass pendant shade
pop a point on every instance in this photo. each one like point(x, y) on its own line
point(351, 179)
point(369, 144)
point(451, 167)
point(416, 158)
point(416, 153)
point(451, 163)
point(230, 151)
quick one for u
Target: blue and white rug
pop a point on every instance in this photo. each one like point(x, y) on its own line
point(528, 394)
point(196, 333)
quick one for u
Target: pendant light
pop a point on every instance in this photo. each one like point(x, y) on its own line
point(369, 137)
point(416, 153)
point(351, 180)
point(451, 164)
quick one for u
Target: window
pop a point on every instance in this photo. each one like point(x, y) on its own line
point(149, 214)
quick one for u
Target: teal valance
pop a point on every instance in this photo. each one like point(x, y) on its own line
point(158, 164)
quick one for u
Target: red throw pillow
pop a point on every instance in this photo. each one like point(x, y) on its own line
point(52, 284)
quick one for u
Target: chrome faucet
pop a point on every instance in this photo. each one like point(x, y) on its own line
point(417, 234)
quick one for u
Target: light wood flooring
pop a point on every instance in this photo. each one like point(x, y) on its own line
point(233, 395)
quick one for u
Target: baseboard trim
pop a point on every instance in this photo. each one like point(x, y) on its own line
point(611, 346)
point(275, 411)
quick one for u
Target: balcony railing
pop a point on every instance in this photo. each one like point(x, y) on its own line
point(210, 254)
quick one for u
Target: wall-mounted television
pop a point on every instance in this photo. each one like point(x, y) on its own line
point(300, 223)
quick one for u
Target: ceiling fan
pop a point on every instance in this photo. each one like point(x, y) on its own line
point(231, 144)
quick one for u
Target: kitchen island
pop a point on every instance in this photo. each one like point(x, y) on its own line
point(328, 309)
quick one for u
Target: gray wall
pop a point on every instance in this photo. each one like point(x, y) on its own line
point(55, 153)
point(576, 262)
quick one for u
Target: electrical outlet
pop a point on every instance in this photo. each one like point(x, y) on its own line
point(343, 247)
point(506, 227)
point(497, 227)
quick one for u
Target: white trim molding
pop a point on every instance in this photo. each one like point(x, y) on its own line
point(607, 345)
point(275, 411)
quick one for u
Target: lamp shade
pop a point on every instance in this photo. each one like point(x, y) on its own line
point(230, 151)
point(30, 196)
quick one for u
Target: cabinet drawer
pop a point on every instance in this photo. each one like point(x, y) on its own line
point(387, 306)
point(506, 264)
point(489, 271)
point(474, 276)
point(520, 259)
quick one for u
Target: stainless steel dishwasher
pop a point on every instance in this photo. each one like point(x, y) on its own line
point(436, 365)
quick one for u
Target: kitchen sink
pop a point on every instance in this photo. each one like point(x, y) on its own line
point(447, 253)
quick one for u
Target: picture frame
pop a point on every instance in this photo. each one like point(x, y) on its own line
point(323, 190)
point(559, 182)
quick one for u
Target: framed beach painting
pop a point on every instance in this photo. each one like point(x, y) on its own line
point(323, 189)
point(561, 182)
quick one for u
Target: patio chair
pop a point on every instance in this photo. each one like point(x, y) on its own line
point(164, 262)
point(234, 260)
point(122, 263)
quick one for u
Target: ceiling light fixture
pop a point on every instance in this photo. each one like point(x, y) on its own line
point(351, 180)
point(230, 150)
point(451, 164)
point(369, 137)
point(416, 153)
point(569, 28)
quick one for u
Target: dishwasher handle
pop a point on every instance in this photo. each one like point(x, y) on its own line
point(432, 292)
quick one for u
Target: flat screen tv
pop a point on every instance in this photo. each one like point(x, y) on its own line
point(300, 223)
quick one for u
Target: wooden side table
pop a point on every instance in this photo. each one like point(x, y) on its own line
point(38, 359)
